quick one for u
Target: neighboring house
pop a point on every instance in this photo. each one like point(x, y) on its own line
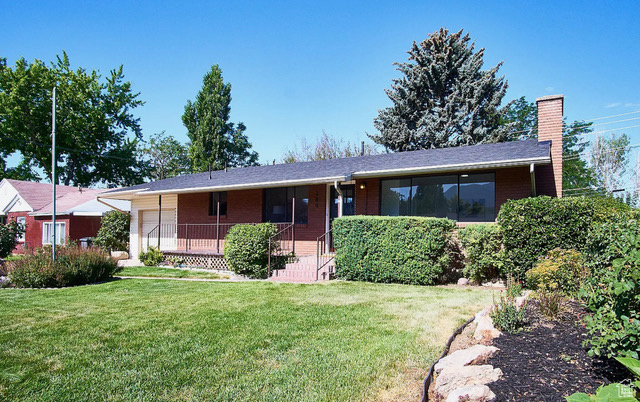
point(192, 213)
point(78, 213)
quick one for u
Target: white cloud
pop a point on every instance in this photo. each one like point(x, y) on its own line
point(549, 89)
point(630, 104)
point(614, 104)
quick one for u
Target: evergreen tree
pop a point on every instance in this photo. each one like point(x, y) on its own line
point(443, 98)
point(215, 142)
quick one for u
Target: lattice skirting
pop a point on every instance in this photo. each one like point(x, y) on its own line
point(200, 260)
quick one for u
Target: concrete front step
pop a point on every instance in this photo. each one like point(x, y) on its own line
point(303, 270)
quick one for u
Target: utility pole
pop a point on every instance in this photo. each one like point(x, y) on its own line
point(53, 173)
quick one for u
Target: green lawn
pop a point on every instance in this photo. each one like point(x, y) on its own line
point(159, 272)
point(158, 339)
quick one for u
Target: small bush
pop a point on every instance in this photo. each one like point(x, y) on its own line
point(549, 302)
point(113, 234)
point(151, 257)
point(73, 266)
point(246, 249)
point(561, 270)
point(386, 249)
point(9, 234)
point(482, 244)
point(507, 316)
point(533, 226)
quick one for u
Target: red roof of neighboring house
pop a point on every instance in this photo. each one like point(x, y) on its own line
point(69, 200)
point(38, 195)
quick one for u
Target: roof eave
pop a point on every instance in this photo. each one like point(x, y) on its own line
point(453, 167)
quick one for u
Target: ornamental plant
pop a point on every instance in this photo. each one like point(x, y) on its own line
point(560, 270)
point(246, 249)
point(113, 234)
point(9, 234)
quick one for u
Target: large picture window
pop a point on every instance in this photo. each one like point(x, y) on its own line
point(23, 223)
point(278, 204)
point(465, 198)
point(47, 232)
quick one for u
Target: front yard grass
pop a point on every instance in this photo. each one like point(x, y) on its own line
point(157, 339)
point(160, 272)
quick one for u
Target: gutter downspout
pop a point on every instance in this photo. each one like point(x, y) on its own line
point(337, 187)
point(112, 207)
point(532, 172)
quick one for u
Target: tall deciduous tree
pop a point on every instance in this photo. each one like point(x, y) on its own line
point(610, 158)
point(215, 142)
point(96, 131)
point(326, 147)
point(166, 157)
point(444, 97)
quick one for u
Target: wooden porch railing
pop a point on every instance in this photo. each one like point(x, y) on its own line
point(195, 236)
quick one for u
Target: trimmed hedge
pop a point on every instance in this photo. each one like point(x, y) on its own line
point(482, 245)
point(246, 248)
point(411, 250)
point(73, 266)
point(531, 227)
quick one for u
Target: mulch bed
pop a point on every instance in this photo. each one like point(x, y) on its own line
point(546, 361)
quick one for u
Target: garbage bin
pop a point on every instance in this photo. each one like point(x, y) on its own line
point(86, 242)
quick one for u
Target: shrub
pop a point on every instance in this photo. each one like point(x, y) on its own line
point(560, 270)
point(246, 249)
point(411, 250)
point(549, 302)
point(113, 234)
point(151, 257)
point(482, 244)
point(9, 234)
point(613, 294)
point(533, 226)
point(73, 266)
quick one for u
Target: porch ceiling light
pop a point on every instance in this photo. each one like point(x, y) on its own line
point(363, 186)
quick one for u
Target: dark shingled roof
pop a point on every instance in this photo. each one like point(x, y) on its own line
point(516, 153)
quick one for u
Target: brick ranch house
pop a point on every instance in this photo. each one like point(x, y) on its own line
point(189, 215)
point(78, 212)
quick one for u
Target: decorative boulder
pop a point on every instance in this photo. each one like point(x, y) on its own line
point(476, 393)
point(464, 357)
point(453, 378)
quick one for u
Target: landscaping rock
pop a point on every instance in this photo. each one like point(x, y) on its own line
point(463, 282)
point(479, 393)
point(485, 330)
point(473, 355)
point(452, 378)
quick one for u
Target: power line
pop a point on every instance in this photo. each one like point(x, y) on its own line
point(614, 115)
point(71, 150)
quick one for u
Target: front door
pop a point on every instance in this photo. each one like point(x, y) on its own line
point(348, 201)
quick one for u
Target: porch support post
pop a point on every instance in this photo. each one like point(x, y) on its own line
point(293, 227)
point(532, 172)
point(218, 227)
point(159, 219)
point(186, 246)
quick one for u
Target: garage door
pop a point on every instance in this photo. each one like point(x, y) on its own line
point(168, 230)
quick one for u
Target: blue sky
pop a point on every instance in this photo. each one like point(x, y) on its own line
point(298, 68)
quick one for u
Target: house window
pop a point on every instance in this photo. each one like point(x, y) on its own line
point(47, 232)
point(22, 221)
point(466, 197)
point(2, 220)
point(278, 204)
point(214, 199)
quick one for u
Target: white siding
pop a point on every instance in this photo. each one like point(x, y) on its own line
point(147, 203)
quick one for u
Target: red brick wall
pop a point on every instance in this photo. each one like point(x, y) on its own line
point(368, 198)
point(245, 206)
point(549, 177)
point(512, 184)
point(83, 226)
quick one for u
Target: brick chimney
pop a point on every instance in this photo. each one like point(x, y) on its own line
point(549, 177)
